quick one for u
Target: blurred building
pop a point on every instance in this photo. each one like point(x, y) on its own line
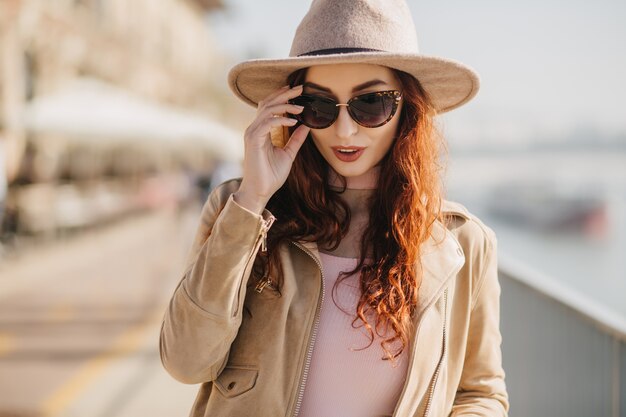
point(158, 53)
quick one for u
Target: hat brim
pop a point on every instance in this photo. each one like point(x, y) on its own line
point(449, 83)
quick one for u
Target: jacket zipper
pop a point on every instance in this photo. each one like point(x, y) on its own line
point(443, 354)
point(265, 226)
point(312, 336)
point(265, 282)
point(431, 388)
point(260, 286)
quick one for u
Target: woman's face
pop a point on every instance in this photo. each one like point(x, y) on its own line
point(341, 82)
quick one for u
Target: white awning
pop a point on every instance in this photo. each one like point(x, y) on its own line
point(92, 110)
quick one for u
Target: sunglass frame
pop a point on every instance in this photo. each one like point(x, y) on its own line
point(396, 95)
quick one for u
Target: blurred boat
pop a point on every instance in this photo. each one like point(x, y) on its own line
point(550, 207)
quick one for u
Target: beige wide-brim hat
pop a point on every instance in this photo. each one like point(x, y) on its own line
point(379, 32)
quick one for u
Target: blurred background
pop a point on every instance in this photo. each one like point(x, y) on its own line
point(116, 122)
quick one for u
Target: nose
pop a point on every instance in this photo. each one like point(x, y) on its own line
point(345, 127)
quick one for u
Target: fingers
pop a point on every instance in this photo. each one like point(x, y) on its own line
point(277, 121)
point(273, 95)
point(270, 113)
point(296, 140)
point(275, 104)
point(282, 95)
point(280, 109)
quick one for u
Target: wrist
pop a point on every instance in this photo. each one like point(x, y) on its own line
point(250, 202)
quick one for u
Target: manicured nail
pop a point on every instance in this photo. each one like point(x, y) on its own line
point(297, 87)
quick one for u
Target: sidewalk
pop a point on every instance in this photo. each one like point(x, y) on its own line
point(80, 322)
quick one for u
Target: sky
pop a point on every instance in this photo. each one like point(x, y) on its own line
point(550, 70)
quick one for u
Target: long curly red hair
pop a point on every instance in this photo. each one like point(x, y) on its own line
point(403, 209)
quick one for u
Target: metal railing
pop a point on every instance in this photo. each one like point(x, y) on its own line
point(563, 353)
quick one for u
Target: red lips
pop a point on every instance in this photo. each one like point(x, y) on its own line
point(348, 156)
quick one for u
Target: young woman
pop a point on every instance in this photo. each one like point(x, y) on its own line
point(334, 279)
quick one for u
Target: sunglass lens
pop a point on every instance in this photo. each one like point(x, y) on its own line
point(318, 112)
point(372, 110)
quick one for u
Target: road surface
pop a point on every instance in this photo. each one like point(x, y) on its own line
point(80, 320)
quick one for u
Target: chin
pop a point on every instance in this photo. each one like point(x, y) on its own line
point(351, 170)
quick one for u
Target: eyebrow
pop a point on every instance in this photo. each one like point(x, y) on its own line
point(354, 90)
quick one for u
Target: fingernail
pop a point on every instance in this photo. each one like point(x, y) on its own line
point(297, 86)
point(292, 121)
point(298, 106)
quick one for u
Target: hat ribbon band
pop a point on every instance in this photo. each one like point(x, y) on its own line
point(331, 51)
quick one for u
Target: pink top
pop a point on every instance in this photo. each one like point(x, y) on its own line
point(366, 181)
point(342, 382)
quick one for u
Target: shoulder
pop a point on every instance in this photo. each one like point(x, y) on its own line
point(457, 216)
point(477, 240)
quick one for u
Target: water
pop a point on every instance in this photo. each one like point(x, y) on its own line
point(592, 263)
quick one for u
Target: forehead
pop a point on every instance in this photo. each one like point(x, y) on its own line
point(341, 78)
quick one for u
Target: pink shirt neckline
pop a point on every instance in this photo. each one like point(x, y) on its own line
point(366, 181)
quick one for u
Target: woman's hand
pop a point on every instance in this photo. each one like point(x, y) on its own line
point(265, 166)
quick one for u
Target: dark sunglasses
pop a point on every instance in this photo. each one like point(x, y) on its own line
point(368, 110)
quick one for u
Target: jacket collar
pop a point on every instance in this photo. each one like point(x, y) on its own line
point(442, 258)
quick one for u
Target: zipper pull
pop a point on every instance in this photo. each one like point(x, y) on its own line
point(264, 228)
point(260, 286)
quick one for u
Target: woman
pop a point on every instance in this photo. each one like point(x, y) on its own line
point(333, 279)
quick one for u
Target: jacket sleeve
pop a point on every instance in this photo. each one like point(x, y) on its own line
point(482, 390)
point(205, 311)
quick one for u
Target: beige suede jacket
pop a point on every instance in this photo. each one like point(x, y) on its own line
point(255, 362)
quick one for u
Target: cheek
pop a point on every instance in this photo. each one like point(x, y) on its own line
point(319, 139)
point(386, 136)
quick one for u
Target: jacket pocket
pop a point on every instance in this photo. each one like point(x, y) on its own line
point(236, 379)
